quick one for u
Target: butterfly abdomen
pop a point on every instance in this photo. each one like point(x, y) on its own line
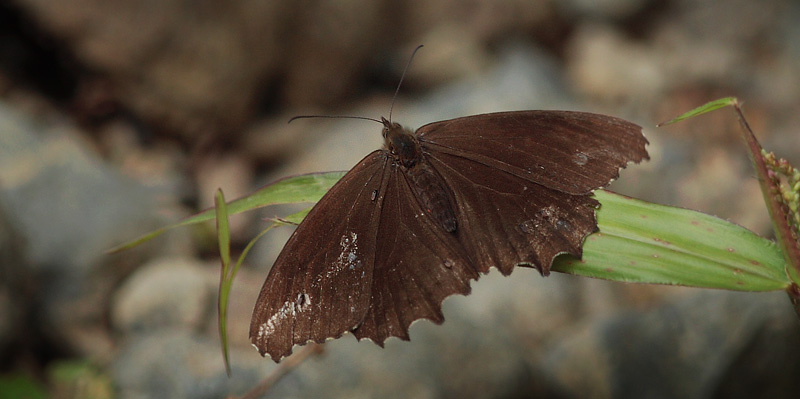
point(431, 194)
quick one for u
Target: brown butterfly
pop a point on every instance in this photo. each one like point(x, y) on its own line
point(416, 221)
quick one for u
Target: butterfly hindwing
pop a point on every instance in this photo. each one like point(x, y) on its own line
point(505, 220)
point(417, 265)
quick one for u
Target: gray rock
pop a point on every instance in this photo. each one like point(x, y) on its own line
point(524, 77)
point(206, 81)
point(169, 292)
point(605, 9)
point(67, 205)
point(681, 350)
point(603, 63)
point(15, 287)
point(177, 363)
point(67, 209)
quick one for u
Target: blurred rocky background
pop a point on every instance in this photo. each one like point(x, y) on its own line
point(117, 117)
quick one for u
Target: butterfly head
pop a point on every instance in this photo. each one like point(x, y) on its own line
point(401, 143)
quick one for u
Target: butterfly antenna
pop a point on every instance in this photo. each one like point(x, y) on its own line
point(333, 117)
point(400, 83)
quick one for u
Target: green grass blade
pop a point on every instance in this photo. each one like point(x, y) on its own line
point(707, 107)
point(17, 385)
point(296, 189)
point(293, 219)
point(649, 243)
point(228, 274)
point(224, 238)
point(637, 242)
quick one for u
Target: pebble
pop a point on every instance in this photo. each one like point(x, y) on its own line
point(164, 293)
point(683, 349)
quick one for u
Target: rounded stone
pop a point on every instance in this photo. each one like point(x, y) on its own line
point(165, 292)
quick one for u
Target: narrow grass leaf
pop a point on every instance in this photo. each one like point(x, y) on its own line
point(649, 243)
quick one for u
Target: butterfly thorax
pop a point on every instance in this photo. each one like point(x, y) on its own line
point(401, 143)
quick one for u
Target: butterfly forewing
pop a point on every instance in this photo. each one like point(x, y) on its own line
point(573, 152)
point(319, 287)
